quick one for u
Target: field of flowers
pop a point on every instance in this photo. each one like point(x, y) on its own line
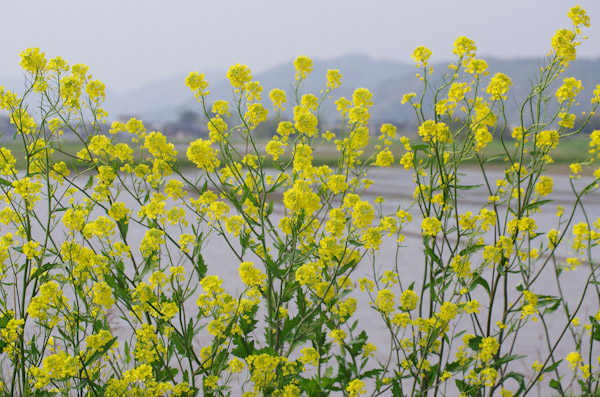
point(106, 286)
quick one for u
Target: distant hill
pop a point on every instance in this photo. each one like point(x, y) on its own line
point(168, 99)
point(387, 96)
point(357, 70)
point(388, 80)
point(160, 101)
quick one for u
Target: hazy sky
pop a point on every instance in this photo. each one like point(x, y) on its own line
point(128, 43)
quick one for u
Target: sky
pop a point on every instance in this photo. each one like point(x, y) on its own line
point(130, 43)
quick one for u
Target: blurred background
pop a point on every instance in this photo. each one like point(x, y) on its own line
point(143, 50)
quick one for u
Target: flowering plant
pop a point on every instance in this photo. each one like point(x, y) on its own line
point(106, 288)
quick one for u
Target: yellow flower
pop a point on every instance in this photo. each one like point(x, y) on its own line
point(569, 90)
point(573, 358)
point(221, 108)
point(461, 266)
point(7, 162)
point(488, 376)
point(253, 90)
point(239, 75)
point(498, 86)
point(420, 55)
point(203, 155)
point(464, 47)
point(309, 356)
point(151, 242)
point(251, 276)
point(431, 226)
point(59, 366)
point(50, 296)
point(409, 300)
point(579, 16)
point(234, 224)
point(338, 335)
point(448, 311)
point(197, 84)
point(334, 79)
point(432, 131)
point(303, 65)
point(361, 97)
point(157, 145)
point(385, 301)
point(337, 183)
point(301, 198)
point(530, 308)
point(384, 158)
point(31, 249)
point(371, 238)
point(255, 115)
point(27, 189)
point(547, 139)
point(263, 369)
point(235, 365)
point(408, 97)
point(544, 186)
point(117, 211)
point(217, 129)
point(356, 388)
point(210, 382)
point(33, 61)
point(277, 96)
point(563, 44)
point(10, 335)
point(103, 294)
point(308, 274)
point(148, 346)
point(309, 101)
point(362, 214)
point(305, 121)
point(475, 66)
point(488, 347)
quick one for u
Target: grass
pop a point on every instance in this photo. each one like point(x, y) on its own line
point(573, 149)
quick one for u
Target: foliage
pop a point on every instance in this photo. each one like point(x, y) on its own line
point(105, 289)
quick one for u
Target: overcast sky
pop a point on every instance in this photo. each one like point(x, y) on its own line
point(128, 43)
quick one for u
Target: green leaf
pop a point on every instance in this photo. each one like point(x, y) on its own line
point(552, 367)
point(272, 267)
point(474, 343)
point(396, 390)
point(467, 187)
point(555, 384)
point(421, 146)
point(89, 182)
point(199, 264)
point(3, 323)
point(536, 204)
point(127, 353)
point(100, 352)
point(552, 308)
point(519, 378)
point(481, 281)
point(44, 268)
point(471, 249)
point(503, 360)
point(178, 343)
point(429, 252)
point(243, 347)
point(596, 332)
point(289, 325)
point(494, 158)
point(5, 182)
point(123, 225)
